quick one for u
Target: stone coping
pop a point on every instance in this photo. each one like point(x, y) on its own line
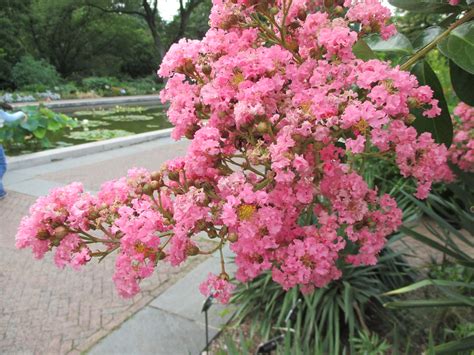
point(99, 101)
point(48, 156)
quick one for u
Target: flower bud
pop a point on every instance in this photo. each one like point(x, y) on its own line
point(274, 10)
point(188, 66)
point(192, 250)
point(410, 118)
point(93, 214)
point(155, 185)
point(413, 103)
point(156, 175)
point(263, 127)
point(206, 69)
point(160, 255)
point(43, 234)
point(338, 10)
point(302, 14)
point(147, 189)
point(232, 237)
point(60, 232)
point(367, 29)
point(173, 175)
point(328, 3)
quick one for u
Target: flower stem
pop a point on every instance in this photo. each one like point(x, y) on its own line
point(426, 49)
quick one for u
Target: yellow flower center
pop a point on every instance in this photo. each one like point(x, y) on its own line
point(246, 212)
point(362, 126)
point(238, 78)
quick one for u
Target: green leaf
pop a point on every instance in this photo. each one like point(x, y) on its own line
point(362, 50)
point(39, 133)
point(425, 283)
point(29, 124)
point(440, 127)
point(424, 303)
point(426, 36)
point(397, 44)
point(459, 46)
point(456, 346)
point(429, 6)
point(462, 82)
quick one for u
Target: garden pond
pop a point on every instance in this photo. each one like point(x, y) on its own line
point(101, 123)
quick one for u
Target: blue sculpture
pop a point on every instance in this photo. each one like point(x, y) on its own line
point(6, 117)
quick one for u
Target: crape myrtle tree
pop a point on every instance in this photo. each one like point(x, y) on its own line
point(285, 107)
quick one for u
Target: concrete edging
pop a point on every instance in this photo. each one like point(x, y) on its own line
point(48, 156)
point(99, 101)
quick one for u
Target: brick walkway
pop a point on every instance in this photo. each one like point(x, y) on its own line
point(45, 310)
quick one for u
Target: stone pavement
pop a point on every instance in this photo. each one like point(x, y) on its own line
point(172, 323)
point(44, 310)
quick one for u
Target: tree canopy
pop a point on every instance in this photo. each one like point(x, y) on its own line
point(80, 38)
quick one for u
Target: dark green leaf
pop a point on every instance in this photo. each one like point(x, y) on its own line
point(440, 127)
point(426, 36)
point(398, 44)
point(362, 50)
point(428, 6)
point(456, 346)
point(463, 83)
point(459, 46)
point(29, 124)
point(424, 303)
point(39, 133)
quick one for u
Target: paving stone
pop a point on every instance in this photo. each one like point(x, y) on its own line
point(33, 187)
point(184, 300)
point(45, 310)
point(154, 331)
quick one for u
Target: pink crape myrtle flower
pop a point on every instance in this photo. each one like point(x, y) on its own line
point(218, 287)
point(461, 152)
point(281, 126)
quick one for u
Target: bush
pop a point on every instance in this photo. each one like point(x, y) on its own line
point(330, 317)
point(33, 129)
point(99, 83)
point(30, 71)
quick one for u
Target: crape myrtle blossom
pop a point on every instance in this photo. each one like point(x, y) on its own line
point(282, 118)
point(461, 152)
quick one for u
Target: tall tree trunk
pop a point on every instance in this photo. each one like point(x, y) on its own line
point(150, 18)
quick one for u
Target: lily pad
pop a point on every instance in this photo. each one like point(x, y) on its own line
point(94, 123)
point(99, 134)
point(94, 112)
point(129, 109)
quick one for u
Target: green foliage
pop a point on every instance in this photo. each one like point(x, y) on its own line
point(440, 128)
point(398, 44)
point(462, 82)
point(329, 317)
point(451, 284)
point(426, 6)
point(459, 46)
point(99, 83)
point(29, 71)
point(33, 130)
point(370, 344)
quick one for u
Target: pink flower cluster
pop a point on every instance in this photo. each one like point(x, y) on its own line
point(461, 151)
point(283, 121)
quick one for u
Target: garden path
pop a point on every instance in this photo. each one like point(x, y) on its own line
point(45, 310)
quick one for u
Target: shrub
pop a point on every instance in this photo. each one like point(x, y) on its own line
point(34, 128)
point(99, 83)
point(30, 71)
